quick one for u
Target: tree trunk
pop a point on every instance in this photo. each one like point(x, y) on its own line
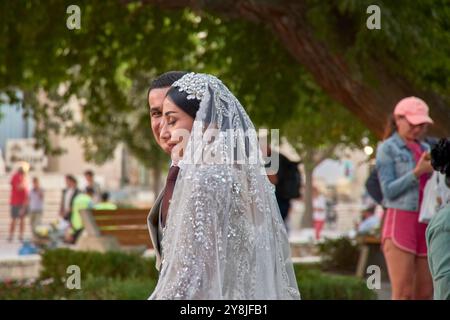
point(371, 104)
point(311, 158)
point(307, 219)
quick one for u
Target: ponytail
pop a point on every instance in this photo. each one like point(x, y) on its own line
point(391, 127)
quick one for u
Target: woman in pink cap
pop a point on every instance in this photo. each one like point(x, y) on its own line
point(403, 164)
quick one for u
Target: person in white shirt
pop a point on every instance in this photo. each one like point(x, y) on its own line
point(36, 204)
point(370, 221)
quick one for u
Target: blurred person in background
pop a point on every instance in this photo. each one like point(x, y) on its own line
point(287, 179)
point(91, 183)
point(403, 164)
point(36, 205)
point(319, 211)
point(369, 221)
point(105, 204)
point(18, 202)
point(438, 230)
point(69, 193)
point(82, 201)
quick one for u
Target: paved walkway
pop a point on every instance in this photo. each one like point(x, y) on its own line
point(385, 292)
point(14, 266)
point(9, 249)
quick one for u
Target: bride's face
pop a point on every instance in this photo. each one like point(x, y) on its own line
point(176, 127)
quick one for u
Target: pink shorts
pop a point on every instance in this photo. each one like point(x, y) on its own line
point(405, 231)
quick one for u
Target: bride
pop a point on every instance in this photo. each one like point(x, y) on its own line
point(223, 237)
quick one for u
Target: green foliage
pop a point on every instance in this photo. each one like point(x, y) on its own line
point(110, 265)
point(318, 122)
point(101, 288)
point(339, 254)
point(414, 40)
point(93, 288)
point(108, 65)
point(316, 285)
point(117, 275)
point(20, 290)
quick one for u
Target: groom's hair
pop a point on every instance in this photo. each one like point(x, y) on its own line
point(166, 79)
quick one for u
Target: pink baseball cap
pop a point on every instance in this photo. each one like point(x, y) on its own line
point(415, 110)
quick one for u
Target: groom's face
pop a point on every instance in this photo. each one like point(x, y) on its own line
point(155, 101)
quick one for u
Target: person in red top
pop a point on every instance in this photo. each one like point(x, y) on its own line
point(18, 202)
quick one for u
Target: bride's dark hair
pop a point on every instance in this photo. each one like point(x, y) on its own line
point(440, 159)
point(180, 98)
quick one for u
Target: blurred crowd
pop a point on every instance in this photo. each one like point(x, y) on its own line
point(28, 201)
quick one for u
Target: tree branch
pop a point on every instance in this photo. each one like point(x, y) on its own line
point(286, 18)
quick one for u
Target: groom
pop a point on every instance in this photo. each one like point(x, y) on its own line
point(156, 94)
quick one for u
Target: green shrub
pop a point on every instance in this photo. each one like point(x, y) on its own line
point(109, 265)
point(19, 290)
point(340, 255)
point(124, 276)
point(100, 288)
point(92, 288)
point(317, 285)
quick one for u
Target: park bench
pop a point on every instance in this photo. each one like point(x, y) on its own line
point(120, 229)
point(370, 254)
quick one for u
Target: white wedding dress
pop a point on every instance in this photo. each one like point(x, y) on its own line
point(224, 237)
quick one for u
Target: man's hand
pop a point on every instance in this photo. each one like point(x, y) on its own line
point(273, 178)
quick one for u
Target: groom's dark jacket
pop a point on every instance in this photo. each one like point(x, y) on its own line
point(153, 224)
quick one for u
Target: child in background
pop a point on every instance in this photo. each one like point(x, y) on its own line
point(36, 205)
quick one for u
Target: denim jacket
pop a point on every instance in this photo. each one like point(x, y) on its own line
point(395, 164)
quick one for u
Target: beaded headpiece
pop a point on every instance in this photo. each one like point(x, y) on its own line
point(195, 84)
